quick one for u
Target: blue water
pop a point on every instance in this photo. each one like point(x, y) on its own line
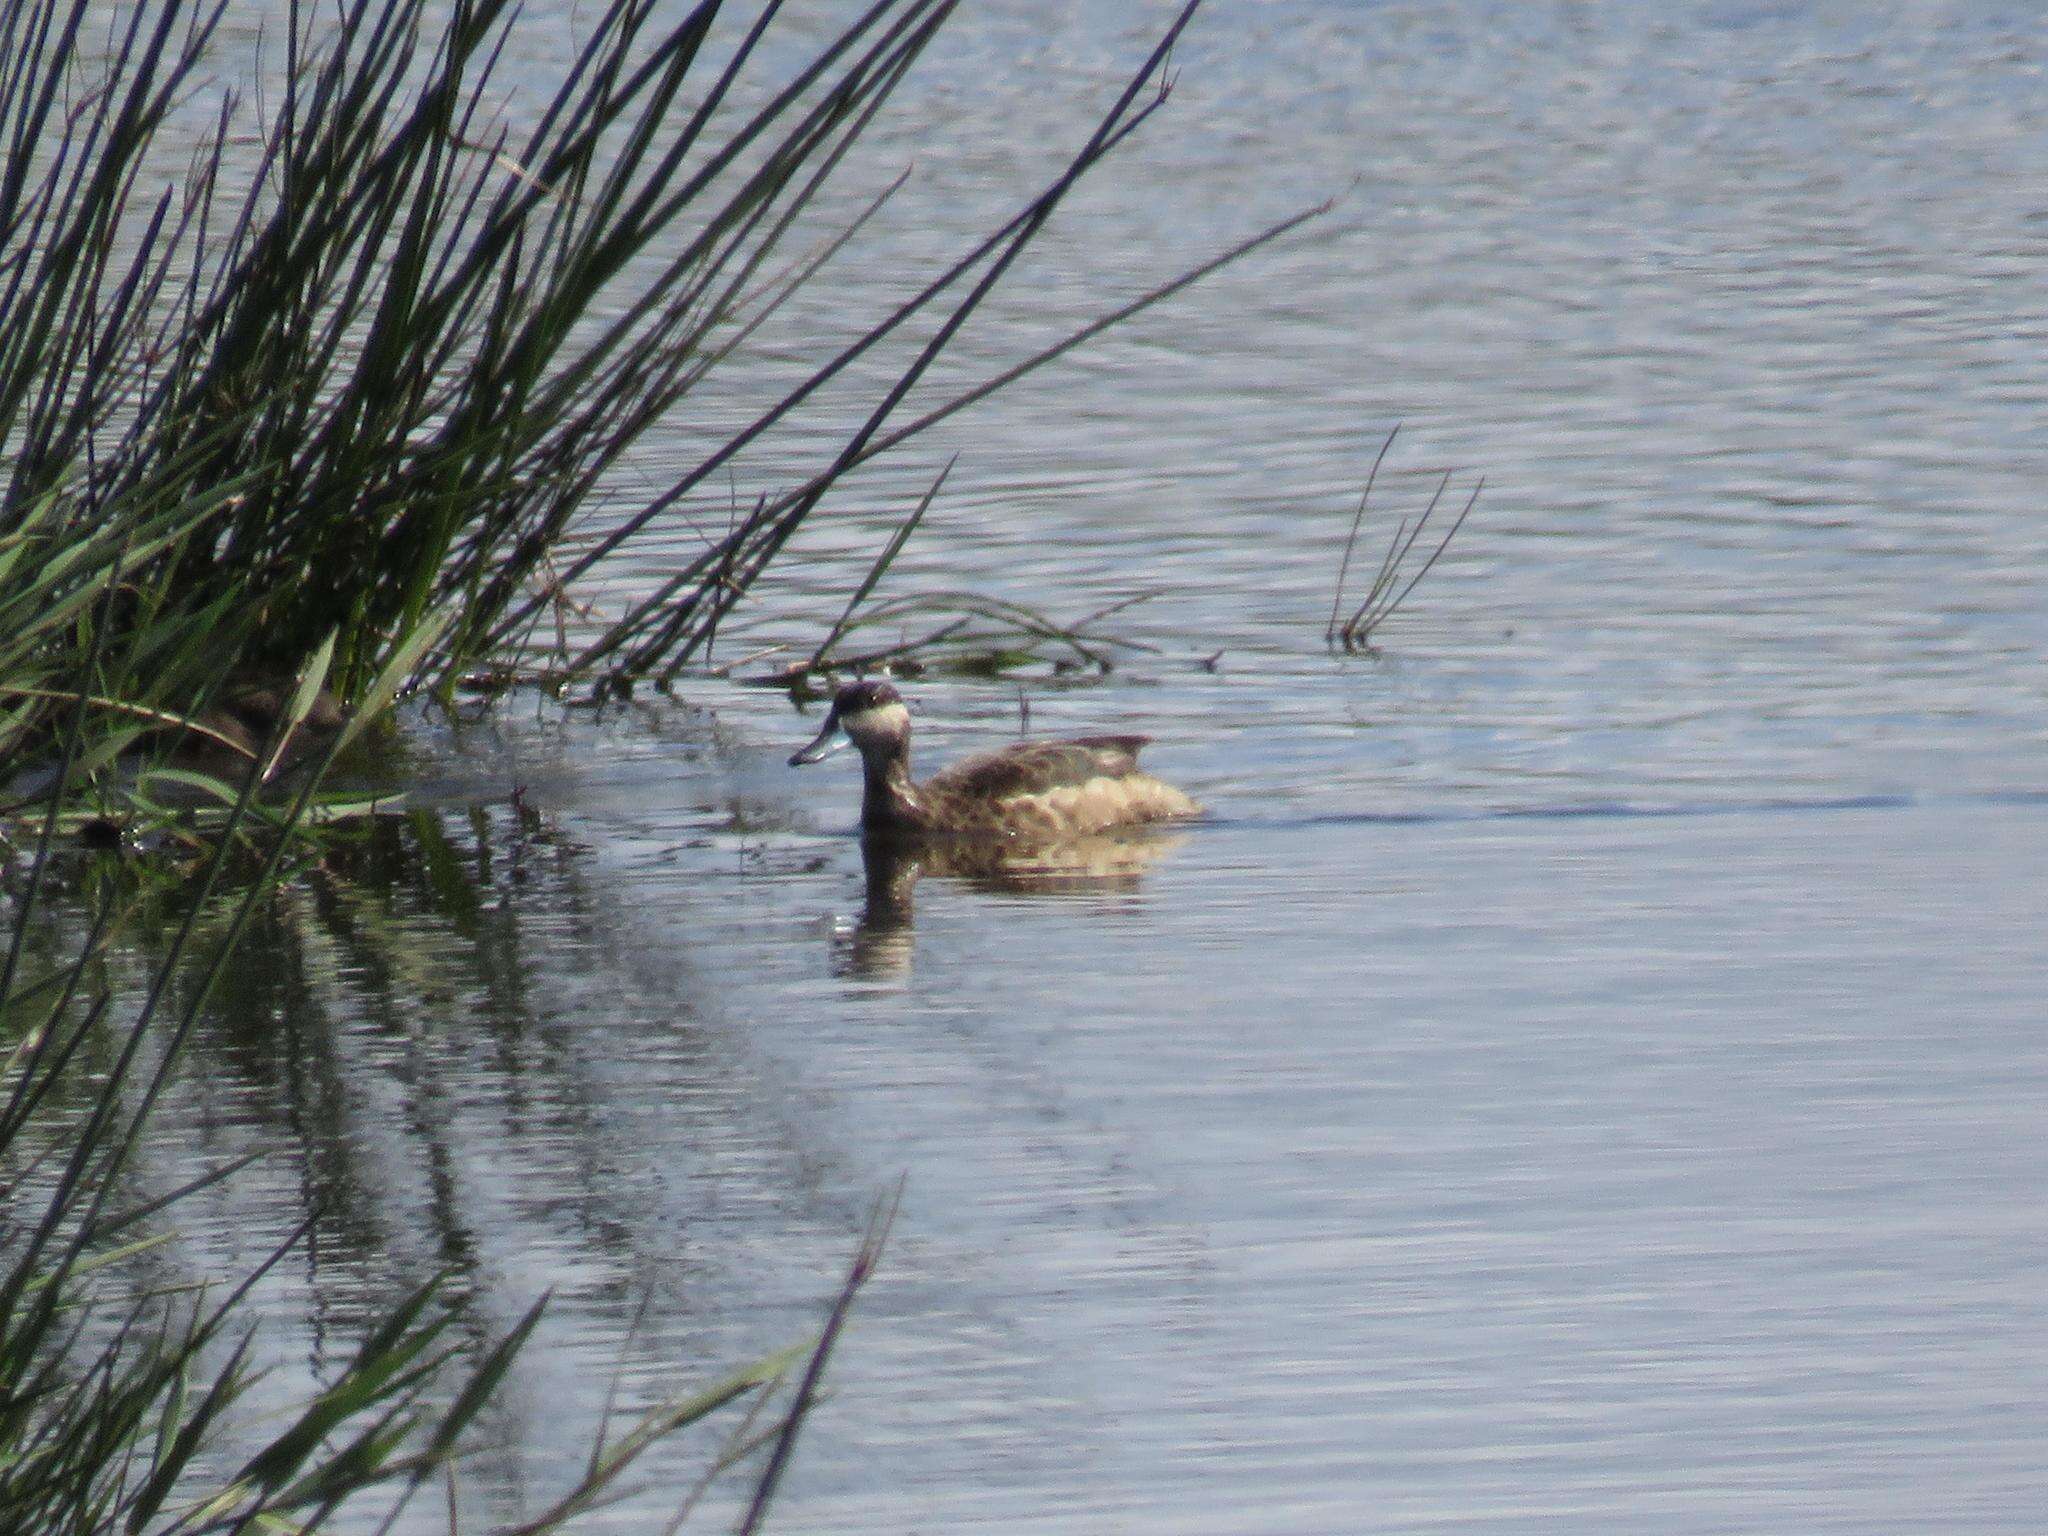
point(1586, 1074)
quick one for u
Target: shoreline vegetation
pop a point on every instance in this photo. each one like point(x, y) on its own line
point(304, 427)
point(327, 415)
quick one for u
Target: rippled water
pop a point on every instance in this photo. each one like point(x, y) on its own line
point(1586, 1074)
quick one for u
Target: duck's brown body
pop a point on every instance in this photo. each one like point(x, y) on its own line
point(1035, 790)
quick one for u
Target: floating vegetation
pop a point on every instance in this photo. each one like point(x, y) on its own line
point(967, 634)
point(1393, 581)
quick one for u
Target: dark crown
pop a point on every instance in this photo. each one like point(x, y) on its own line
point(856, 697)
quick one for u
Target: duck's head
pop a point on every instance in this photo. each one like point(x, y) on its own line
point(874, 718)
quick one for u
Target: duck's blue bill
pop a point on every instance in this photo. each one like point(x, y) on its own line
point(822, 746)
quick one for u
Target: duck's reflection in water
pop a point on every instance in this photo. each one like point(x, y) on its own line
point(880, 943)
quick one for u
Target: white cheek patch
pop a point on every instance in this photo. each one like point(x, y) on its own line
point(884, 722)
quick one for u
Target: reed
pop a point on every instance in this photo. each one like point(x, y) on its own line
point(1396, 577)
point(344, 386)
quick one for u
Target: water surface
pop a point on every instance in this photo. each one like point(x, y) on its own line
point(1585, 1075)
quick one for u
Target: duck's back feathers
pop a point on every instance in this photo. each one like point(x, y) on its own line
point(1037, 767)
point(1051, 789)
point(1127, 747)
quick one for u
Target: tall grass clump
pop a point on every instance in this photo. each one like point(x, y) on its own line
point(343, 370)
point(119, 1404)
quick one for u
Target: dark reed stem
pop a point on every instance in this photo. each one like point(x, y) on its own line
point(858, 1273)
point(881, 564)
point(1389, 590)
point(1357, 522)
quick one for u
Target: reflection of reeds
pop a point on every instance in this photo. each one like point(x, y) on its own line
point(128, 1452)
point(114, 1397)
point(1389, 590)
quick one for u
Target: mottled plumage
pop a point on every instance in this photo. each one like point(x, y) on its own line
point(1033, 790)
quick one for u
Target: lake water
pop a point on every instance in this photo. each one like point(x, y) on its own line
point(1586, 1073)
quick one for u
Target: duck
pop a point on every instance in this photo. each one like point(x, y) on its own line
point(1031, 791)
